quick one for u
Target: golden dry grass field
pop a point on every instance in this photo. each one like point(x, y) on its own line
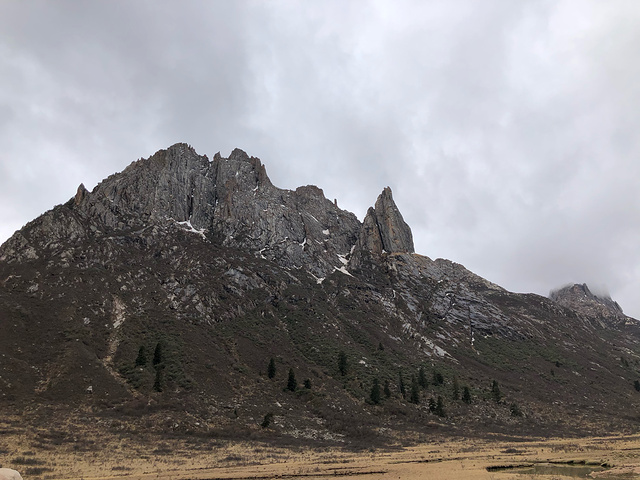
point(43, 454)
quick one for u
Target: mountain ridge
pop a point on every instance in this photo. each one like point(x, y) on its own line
point(224, 270)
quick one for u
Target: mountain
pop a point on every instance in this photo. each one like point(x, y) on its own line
point(160, 298)
point(591, 307)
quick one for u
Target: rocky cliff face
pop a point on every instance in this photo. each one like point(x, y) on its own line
point(580, 299)
point(383, 231)
point(228, 200)
point(209, 259)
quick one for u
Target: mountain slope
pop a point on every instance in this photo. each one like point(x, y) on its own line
point(171, 285)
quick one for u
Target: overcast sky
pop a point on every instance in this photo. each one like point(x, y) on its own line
point(507, 130)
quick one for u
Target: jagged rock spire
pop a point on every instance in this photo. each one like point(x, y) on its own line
point(395, 233)
point(383, 230)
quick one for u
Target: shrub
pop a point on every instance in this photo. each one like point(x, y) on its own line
point(343, 363)
point(401, 387)
point(374, 396)
point(466, 395)
point(415, 391)
point(422, 378)
point(495, 391)
point(141, 359)
point(515, 410)
point(158, 355)
point(271, 369)
point(387, 389)
point(159, 380)
point(292, 383)
point(266, 421)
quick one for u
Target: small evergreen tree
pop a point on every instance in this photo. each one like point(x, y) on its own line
point(456, 389)
point(158, 355)
point(387, 389)
point(271, 369)
point(141, 359)
point(495, 391)
point(636, 385)
point(415, 390)
point(266, 421)
point(515, 410)
point(438, 379)
point(292, 383)
point(401, 387)
point(466, 395)
point(343, 363)
point(422, 378)
point(439, 410)
point(159, 380)
point(374, 396)
point(432, 405)
point(307, 384)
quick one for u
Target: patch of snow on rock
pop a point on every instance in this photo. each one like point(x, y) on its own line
point(190, 228)
point(343, 270)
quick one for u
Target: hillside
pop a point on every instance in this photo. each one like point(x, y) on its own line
point(158, 299)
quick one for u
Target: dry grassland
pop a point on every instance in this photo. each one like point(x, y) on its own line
point(50, 455)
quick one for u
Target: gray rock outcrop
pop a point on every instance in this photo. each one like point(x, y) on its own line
point(579, 298)
point(226, 200)
point(383, 231)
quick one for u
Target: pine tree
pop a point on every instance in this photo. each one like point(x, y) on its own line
point(495, 391)
point(515, 410)
point(159, 380)
point(374, 396)
point(636, 385)
point(158, 355)
point(432, 405)
point(401, 387)
point(466, 395)
point(292, 383)
point(422, 378)
point(438, 379)
point(415, 390)
point(456, 389)
point(271, 369)
point(266, 421)
point(307, 384)
point(387, 389)
point(343, 363)
point(141, 359)
point(439, 410)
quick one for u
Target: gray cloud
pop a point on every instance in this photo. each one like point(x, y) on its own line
point(507, 130)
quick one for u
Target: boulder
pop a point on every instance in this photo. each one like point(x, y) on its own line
point(9, 474)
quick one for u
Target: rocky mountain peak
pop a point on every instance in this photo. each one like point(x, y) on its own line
point(238, 154)
point(226, 200)
point(383, 230)
point(395, 233)
point(580, 298)
point(81, 193)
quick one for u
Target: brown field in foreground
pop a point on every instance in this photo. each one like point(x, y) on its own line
point(56, 454)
